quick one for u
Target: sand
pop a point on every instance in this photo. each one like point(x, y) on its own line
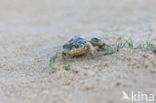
point(31, 31)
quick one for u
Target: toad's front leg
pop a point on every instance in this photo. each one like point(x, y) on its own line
point(91, 49)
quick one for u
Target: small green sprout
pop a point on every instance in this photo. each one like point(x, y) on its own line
point(67, 67)
point(130, 43)
point(140, 46)
point(107, 50)
point(52, 62)
point(120, 45)
point(149, 45)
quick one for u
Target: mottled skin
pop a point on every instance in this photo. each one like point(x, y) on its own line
point(97, 42)
point(80, 46)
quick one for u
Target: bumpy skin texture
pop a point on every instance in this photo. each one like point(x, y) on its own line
point(97, 42)
point(76, 47)
point(80, 46)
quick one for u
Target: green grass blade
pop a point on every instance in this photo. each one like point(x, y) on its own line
point(51, 63)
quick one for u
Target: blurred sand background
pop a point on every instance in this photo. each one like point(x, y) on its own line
point(31, 31)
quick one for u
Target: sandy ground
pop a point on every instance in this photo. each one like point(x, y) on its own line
point(31, 31)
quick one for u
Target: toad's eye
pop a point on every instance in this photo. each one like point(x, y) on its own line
point(76, 45)
point(81, 42)
point(95, 39)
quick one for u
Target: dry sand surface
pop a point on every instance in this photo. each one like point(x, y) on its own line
point(31, 31)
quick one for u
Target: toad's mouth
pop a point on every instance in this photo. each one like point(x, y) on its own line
point(76, 51)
